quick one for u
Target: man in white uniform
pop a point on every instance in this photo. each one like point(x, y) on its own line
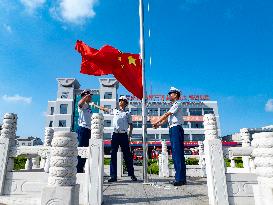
point(122, 121)
point(175, 120)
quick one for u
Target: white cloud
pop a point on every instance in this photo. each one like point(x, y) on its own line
point(74, 11)
point(17, 99)
point(269, 105)
point(7, 28)
point(32, 5)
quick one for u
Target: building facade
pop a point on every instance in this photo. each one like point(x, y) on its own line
point(62, 114)
point(28, 141)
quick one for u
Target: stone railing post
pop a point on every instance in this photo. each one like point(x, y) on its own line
point(215, 169)
point(7, 141)
point(164, 161)
point(202, 162)
point(263, 153)
point(119, 163)
point(29, 164)
point(245, 136)
point(95, 169)
point(62, 187)
point(49, 132)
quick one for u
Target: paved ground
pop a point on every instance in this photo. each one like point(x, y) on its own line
point(158, 192)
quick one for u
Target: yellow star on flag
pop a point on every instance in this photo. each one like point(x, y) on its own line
point(132, 60)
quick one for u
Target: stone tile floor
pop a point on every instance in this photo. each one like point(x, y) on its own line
point(158, 191)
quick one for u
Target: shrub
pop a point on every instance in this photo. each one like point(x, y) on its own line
point(19, 162)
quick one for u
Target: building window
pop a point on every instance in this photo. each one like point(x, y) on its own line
point(108, 95)
point(137, 124)
point(107, 123)
point(136, 111)
point(151, 137)
point(187, 138)
point(149, 124)
point(185, 124)
point(163, 111)
point(165, 137)
point(29, 144)
point(50, 124)
point(184, 112)
point(195, 111)
point(153, 111)
point(165, 125)
point(197, 125)
point(136, 137)
point(62, 123)
point(208, 111)
point(198, 137)
point(64, 95)
point(63, 108)
point(108, 107)
point(106, 135)
point(51, 110)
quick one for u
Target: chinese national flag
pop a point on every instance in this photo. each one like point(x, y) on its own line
point(126, 67)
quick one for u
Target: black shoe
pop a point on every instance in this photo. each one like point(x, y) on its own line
point(179, 183)
point(134, 178)
point(112, 179)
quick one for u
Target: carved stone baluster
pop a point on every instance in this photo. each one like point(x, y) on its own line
point(29, 164)
point(164, 161)
point(7, 143)
point(215, 169)
point(62, 186)
point(263, 153)
point(45, 158)
point(202, 162)
point(245, 136)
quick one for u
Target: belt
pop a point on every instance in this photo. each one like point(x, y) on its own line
point(119, 132)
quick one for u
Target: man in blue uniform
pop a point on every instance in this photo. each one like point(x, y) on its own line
point(122, 121)
point(175, 120)
point(84, 122)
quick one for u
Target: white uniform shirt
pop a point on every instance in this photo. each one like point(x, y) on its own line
point(121, 120)
point(177, 115)
point(85, 114)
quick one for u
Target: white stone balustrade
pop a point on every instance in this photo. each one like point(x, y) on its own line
point(263, 153)
point(215, 170)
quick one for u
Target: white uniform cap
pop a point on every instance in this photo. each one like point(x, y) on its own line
point(123, 98)
point(174, 90)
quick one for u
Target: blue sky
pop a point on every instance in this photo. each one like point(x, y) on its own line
point(215, 47)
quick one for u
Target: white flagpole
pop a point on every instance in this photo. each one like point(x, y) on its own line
point(144, 115)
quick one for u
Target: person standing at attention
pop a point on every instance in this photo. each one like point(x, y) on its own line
point(176, 132)
point(122, 121)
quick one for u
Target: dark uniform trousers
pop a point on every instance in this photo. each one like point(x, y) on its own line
point(84, 135)
point(122, 140)
point(177, 143)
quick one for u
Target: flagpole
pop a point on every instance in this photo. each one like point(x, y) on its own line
point(144, 115)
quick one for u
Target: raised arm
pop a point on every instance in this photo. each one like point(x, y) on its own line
point(100, 107)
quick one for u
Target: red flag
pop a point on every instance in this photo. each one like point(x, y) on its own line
point(126, 67)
